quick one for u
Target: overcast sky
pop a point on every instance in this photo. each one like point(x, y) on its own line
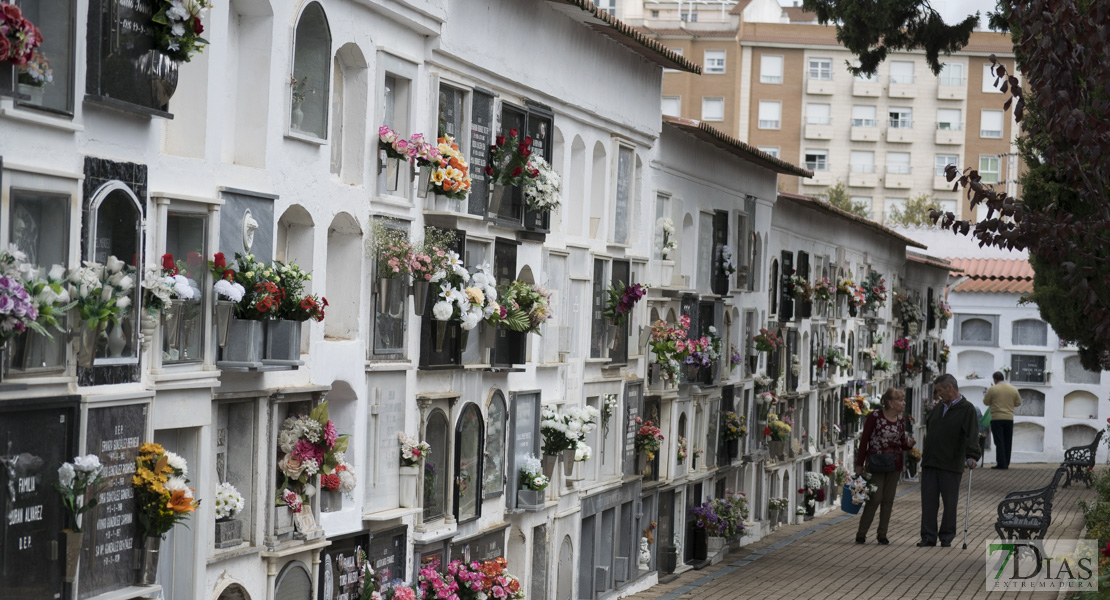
point(952, 11)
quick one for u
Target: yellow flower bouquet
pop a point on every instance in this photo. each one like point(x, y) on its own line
point(162, 495)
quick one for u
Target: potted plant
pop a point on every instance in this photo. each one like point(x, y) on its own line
point(295, 306)
point(260, 302)
point(542, 193)
point(648, 440)
point(227, 502)
point(565, 434)
point(308, 445)
point(163, 499)
point(532, 483)
point(101, 292)
point(776, 508)
point(508, 167)
point(413, 452)
point(176, 28)
point(74, 481)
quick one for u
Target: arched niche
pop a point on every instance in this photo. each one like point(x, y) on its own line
point(687, 250)
point(574, 208)
point(469, 450)
point(351, 83)
point(558, 163)
point(295, 239)
point(435, 466)
point(493, 479)
point(344, 278)
point(1078, 435)
point(1028, 437)
point(598, 197)
point(1074, 372)
point(293, 582)
point(975, 362)
point(311, 77)
point(1032, 403)
point(1080, 404)
point(234, 591)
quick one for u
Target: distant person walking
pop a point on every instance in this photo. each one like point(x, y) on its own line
point(881, 445)
point(1002, 398)
point(951, 445)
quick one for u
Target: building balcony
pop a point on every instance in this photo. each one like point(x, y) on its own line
point(902, 90)
point(867, 89)
point(862, 178)
point(819, 131)
point(951, 90)
point(899, 135)
point(822, 87)
point(820, 178)
point(898, 178)
point(865, 131)
point(942, 183)
point(950, 137)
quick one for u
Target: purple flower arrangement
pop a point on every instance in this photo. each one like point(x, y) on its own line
point(722, 517)
point(622, 300)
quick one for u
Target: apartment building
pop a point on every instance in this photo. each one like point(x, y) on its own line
point(776, 79)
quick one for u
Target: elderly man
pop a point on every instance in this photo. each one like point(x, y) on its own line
point(1002, 398)
point(951, 444)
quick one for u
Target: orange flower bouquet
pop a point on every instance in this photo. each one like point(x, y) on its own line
point(451, 174)
point(161, 491)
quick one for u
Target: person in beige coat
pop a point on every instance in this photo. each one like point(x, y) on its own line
point(1002, 398)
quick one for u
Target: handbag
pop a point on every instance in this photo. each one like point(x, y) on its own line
point(880, 463)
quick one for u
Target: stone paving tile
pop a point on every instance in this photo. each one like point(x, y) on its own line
point(821, 558)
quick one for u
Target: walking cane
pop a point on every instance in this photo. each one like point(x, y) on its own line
point(967, 505)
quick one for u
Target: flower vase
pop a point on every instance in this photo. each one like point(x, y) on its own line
point(385, 289)
point(297, 117)
point(716, 544)
point(224, 310)
point(148, 324)
point(422, 181)
point(163, 73)
point(799, 519)
point(245, 343)
point(612, 334)
point(420, 289)
point(116, 341)
point(331, 501)
point(811, 509)
point(283, 343)
point(777, 448)
point(852, 310)
point(775, 516)
point(548, 463)
point(568, 462)
point(410, 478)
point(464, 337)
point(497, 197)
point(87, 340)
point(440, 333)
point(73, 541)
point(529, 499)
point(229, 533)
point(666, 272)
point(171, 325)
point(148, 560)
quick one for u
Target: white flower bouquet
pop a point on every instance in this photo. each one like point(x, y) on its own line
point(531, 474)
point(74, 480)
point(542, 192)
point(412, 450)
point(102, 292)
point(666, 226)
point(228, 501)
point(860, 490)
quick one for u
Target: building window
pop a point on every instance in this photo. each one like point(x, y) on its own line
point(818, 114)
point(943, 160)
point(435, 466)
point(391, 312)
point(988, 80)
point(672, 106)
point(989, 169)
point(493, 479)
point(949, 119)
point(952, 74)
point(235, 459)
point(990, 125)
point(311, 73)
point(714, 62)
point(901, 118)
point(117, 233)
point(770, 68)
point(55, 19)
point(468, 464)
point(770, 114)
point(1030, 332)
point(772, 150)
point(186, 234)
point(820, 68)
point(977, 330)
point(713, 109)
point(901, 71)
point(864, 116)
point(39, 227)
point(1027, 368)
point(898, 162)
point(817, 160)
point(863, 161)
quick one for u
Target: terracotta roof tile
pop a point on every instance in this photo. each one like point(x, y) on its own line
point(695, 33)
point(994, 275)
point(931, 261)
point(816, 203)
point(798, 14)
point(734, 146)
point(739, 7)
point(626, 35)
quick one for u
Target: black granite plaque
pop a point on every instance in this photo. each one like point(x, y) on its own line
point(34, 441)
point(633, 397)
point(114, 433)
point(525, 419)
point(387, 554)
point(120, 36)
point(486, 547)
point(538, 589)
point(481, 128)
point(340, 565)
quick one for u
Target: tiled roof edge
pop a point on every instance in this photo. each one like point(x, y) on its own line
point(756, 155)
point(666, 55)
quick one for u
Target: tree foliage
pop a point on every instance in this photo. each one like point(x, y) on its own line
point(837, 195)
point(917, 211)
point(1063, 218)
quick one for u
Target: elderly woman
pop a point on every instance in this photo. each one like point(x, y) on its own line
point(879, 454)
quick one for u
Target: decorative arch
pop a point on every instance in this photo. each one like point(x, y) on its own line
point(233, 591)
point(310, 78)
point(1081, 404)
point(598, 196)
point(564, 585)
point(295, 245)
point(1032, 403)
point(469, 450)
point(435, 466)
point(293, 582)
point(975, 361)
point(344, 278)
point(1074, 372)
point(351, 82)
point(493, 480)
point(1078, 435)
point(525, 274)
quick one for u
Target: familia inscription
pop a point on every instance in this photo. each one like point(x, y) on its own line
point(114, 433)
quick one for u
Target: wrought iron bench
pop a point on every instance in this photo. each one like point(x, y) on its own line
point(1026, 515)
point(1080, 461)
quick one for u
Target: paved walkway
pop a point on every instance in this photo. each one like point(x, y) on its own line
point(821, 559)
